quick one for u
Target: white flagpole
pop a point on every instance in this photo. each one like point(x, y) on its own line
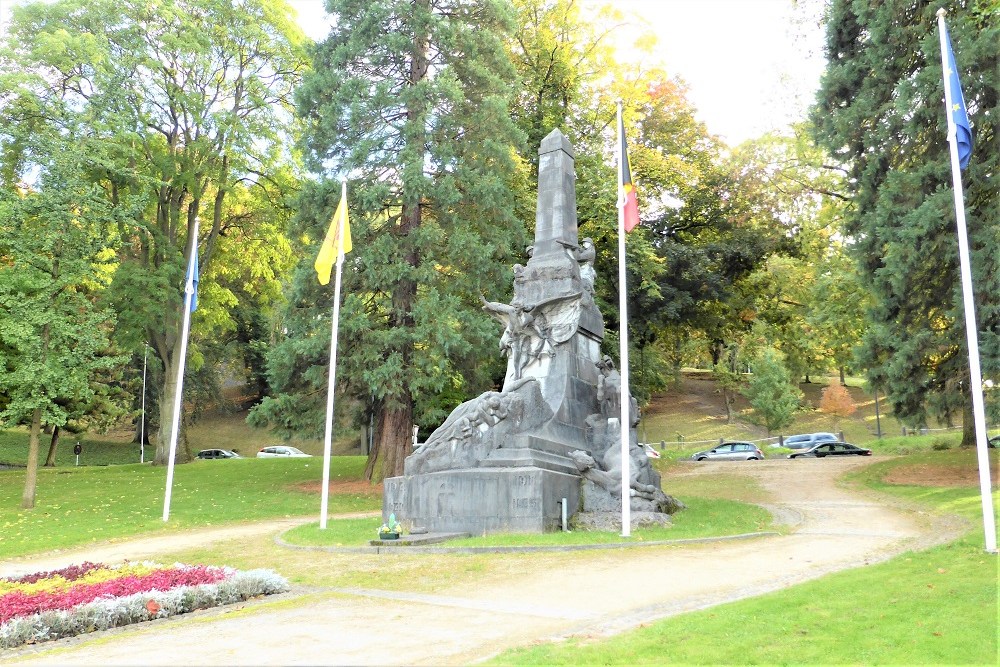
point(182, 362)
point(142, 423)
point(623, 341)
point(971, 332)
point(328, 437)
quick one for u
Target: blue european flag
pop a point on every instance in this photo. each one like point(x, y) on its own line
point(959, 114)
point(191, 284)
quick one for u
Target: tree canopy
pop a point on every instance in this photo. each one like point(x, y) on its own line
point(880, 111)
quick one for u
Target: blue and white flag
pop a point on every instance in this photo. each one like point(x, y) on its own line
point(957, 110)
point(191, 282)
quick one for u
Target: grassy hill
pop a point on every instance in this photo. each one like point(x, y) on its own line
point(695, 412)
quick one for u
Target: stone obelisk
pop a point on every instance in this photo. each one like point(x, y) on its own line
point(510, 460)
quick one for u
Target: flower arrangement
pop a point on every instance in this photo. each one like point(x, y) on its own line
point(88, 597)
point(391, 529)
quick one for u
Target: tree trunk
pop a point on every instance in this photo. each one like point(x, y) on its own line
point(727, 398)
point(31, 474)
point(50, 460)
point(843, 377)
point(170, 388)
point(968, 425)
point(393, 441)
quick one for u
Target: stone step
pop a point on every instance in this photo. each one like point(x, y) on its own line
point(522, 457)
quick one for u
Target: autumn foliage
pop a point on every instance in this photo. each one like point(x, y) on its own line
point(836, 400)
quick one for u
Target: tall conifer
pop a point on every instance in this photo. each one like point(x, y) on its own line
point(881, 111)
point(409, 101)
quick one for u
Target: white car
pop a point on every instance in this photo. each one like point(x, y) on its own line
point(280, 452)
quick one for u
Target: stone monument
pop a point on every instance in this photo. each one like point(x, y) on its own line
point(506, 460)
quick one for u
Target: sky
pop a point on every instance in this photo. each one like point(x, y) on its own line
point(751, 65)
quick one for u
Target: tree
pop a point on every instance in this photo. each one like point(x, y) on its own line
point(54, 337)
point(181, 104)
point(880, 112)
point(409, 99)
point(770, 391)
point(837, 401)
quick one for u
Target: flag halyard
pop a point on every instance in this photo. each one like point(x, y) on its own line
point(337, 242)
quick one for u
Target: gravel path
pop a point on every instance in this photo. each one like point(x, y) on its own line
point(584, 593)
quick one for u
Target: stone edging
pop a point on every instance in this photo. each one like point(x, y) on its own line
point(519, 549)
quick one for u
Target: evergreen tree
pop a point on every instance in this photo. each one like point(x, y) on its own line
point(410, 100)
point(880, 110)
point(770, 391)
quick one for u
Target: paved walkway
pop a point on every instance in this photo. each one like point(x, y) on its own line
point(537, 597)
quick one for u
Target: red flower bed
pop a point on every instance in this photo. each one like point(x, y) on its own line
point(71, 573)
point(17, 603)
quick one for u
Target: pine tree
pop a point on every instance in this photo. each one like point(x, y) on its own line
point(881, 111)
point(410, 100)
point(770, 391)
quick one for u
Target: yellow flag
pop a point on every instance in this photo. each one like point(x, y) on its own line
point(332, 247)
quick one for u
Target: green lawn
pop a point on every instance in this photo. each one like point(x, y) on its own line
point(933, 607)
point(81, 505)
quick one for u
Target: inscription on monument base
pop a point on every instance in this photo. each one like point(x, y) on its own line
point(504, 499)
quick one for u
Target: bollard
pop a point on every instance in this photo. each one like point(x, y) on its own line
point(565, 525)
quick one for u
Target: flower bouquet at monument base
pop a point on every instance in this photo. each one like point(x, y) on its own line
point(90, 596)
point(391, 529)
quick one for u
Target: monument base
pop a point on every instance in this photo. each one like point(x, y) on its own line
point(482, 500)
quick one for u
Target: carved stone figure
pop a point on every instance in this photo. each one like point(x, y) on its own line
point(585, 255)
point(531, 330)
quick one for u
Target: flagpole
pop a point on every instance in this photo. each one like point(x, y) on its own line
point(625, 400)
point(335, 326)
point(179, 390)
point(971, 331)
point(142, 423)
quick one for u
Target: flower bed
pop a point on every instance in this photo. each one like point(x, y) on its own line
point(87, 597)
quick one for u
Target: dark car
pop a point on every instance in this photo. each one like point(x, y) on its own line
point(831, 449)
point(218, 454)
point(731, 451)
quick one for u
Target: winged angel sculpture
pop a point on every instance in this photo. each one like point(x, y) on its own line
point(534, 330)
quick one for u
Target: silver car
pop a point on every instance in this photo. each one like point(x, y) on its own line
point(280, 451)
point(808, 440)
point(731, 451)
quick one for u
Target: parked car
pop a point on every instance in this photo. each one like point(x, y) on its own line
point(280, 451)
point(825, 449)
point(218, 454)
point(807, 440)
point(651, 452)
point(994, 441)
point(731, 451)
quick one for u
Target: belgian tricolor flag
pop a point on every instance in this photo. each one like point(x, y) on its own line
point(627, 199)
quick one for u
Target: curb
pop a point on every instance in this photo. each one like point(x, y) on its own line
point(520, 549)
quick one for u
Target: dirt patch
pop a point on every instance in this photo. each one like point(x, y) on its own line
point(933, 475)
point(342, 487)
